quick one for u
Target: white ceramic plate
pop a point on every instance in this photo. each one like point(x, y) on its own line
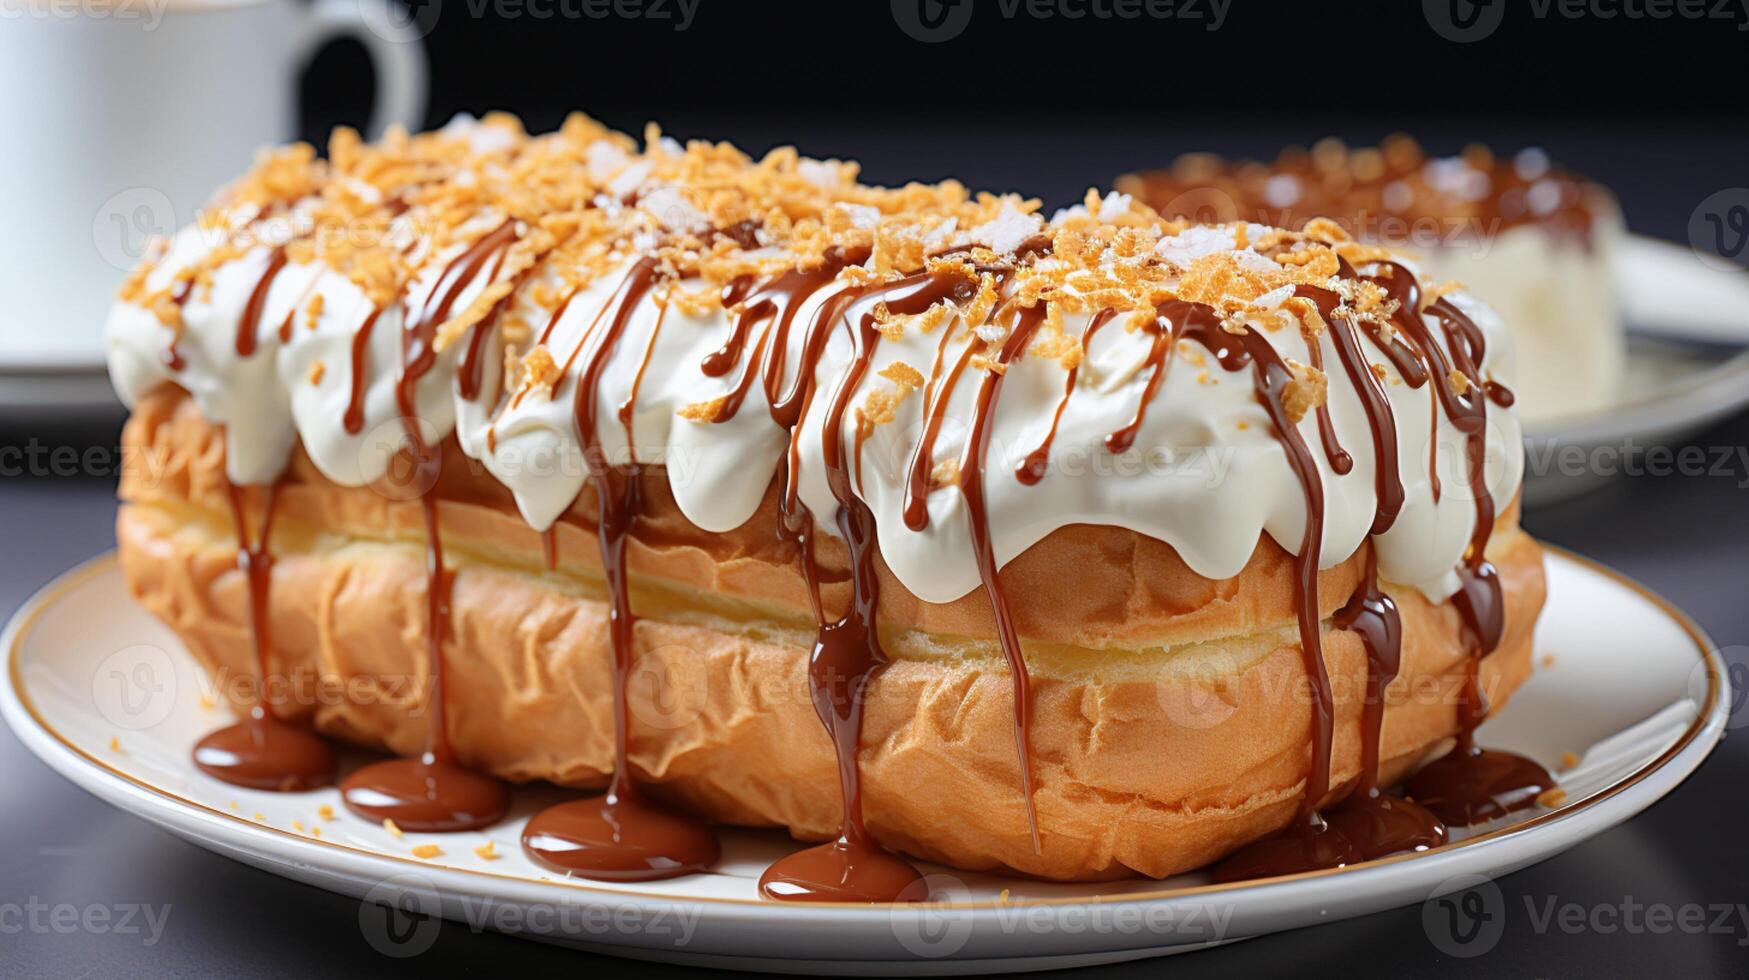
point(1688, 366)
point(107, 696)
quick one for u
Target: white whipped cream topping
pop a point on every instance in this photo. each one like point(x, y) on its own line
point(1207, 475)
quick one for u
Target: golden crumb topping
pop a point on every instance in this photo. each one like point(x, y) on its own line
point(559, 211)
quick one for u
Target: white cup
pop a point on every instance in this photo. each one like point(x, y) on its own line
point(124, 116)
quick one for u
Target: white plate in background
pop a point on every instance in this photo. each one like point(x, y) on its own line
point(1687, 367)
point(1629, 685)
point(45, 396)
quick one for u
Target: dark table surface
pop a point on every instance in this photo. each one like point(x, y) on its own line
point(1685, 537)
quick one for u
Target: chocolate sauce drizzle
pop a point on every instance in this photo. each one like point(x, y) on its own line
point(353, 420)
point(1469, 785)
point(1308, 839)
point(263, 751)
point(937, 392)
point(1159, 363)
point(620, 835)
point(433, 793)
point(1037, 463)
point(972, 475)
point(172, 357)
point(847, 654)
point(1370, 819)
point(249, 324)
point(1387, 481)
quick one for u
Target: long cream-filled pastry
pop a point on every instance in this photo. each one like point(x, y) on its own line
point(907, 517)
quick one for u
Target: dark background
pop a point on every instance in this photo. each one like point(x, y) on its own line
point(1052, 106)
point(1653, 108)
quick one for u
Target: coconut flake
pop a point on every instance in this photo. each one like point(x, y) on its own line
point(1008, 230)
point(1114, 206)
point(861, 216)
point(1274, 298)
point(629, 179)
point(604, 159)
point(671, 208)
point(828, 174)
point(1195, 242)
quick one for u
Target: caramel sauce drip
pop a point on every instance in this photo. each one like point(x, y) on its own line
point(1308, 838)
point(549, 546)
point(354, 417)
point(172, 357)
point(1469, 785)
point(620, 835)
point(1388, 482)
point(1037, 463)
point(937, 392)
point(972, 476)
point(263, 751)
point(1158, 363)
point(847, 653)
point(1373, 822)
point(784, 297)
point(433, 793)
point(722, 360)
point(1341, 463)
point(249, 324)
